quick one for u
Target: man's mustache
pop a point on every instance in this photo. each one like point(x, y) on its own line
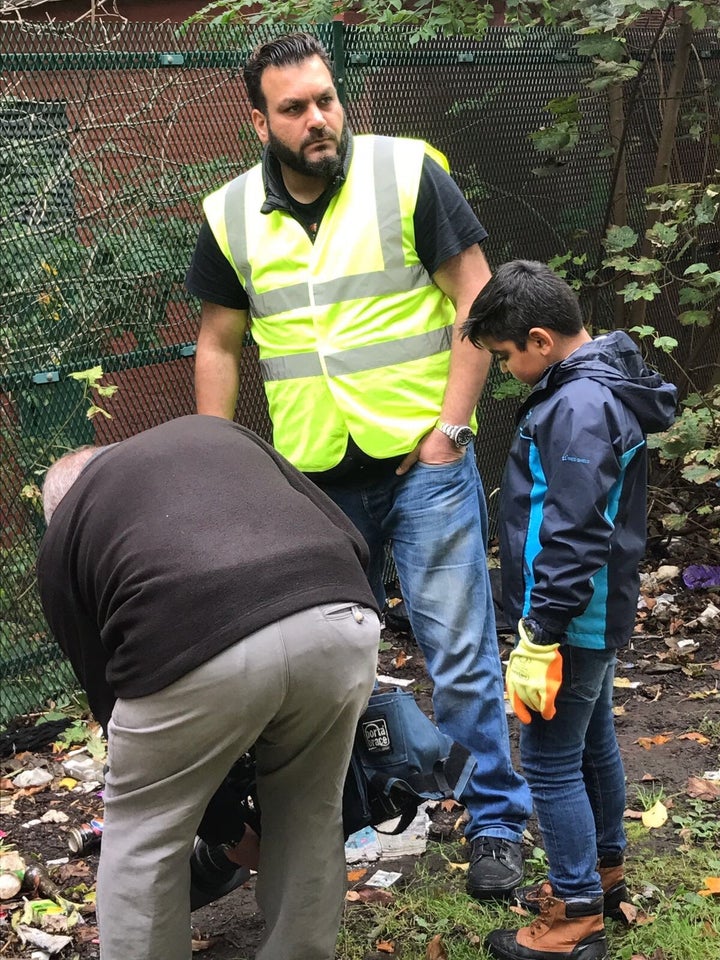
point(319, 135)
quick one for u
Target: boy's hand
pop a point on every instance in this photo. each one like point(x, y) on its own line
point(533, 676)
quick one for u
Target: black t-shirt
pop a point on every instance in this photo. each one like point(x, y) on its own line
point(445, 225)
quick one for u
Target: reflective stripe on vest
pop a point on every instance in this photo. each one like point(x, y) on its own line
point(371, 357)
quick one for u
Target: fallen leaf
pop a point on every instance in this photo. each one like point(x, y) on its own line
point(694, 735)
point(649, 742)
point(618, 711)
point(648, 778)
point(369, 895)
point(85, 934)
point(702, 789)
point(198, 945)
point(712, 887)
point(457, 866)
point(355, 875)
point(629, 912)
point(520, 911)
point(655, 816)
point(385, 946)
point(400, 660)
point(632, 814)
point(6, 784)
point(449, 804)
point(436, 949)
point(77, 870)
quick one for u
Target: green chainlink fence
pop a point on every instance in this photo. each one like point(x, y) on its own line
point(111, 134)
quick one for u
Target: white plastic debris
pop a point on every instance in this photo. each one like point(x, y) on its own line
point(394, 681)
point(413, 840)
point(707, 618)
point(49, 942)
point(383, 878)
point(55, 816)
point(666, 572)
point(37, 777)
point(84, 768)
point(362, 846)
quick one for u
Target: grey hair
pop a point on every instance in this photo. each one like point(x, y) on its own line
point(62, 475)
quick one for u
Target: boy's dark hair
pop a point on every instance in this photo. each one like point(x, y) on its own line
point(522, 294)
point(287, 49)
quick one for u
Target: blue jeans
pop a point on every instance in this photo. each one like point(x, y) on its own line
point(575, 771)
point(436, 520)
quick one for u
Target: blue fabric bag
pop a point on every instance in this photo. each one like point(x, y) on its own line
point(400, 759)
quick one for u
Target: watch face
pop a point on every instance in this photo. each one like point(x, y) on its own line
point(464, 436)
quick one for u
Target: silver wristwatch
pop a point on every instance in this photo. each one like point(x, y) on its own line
point(460, 434)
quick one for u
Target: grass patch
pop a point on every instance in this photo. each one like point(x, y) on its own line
point(674, 921)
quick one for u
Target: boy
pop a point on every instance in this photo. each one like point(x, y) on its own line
point(572, 533)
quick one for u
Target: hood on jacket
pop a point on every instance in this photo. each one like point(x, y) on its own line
point(614, 360)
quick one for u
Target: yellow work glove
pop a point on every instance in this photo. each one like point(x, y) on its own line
point(534, 675)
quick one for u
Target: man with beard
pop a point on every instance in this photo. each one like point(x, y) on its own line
point(352, 259)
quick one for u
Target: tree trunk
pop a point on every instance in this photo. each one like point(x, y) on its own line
point(667, 136)
point(618, 201)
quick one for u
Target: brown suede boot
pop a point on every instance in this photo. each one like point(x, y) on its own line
point(563, 930)
point(612, 879)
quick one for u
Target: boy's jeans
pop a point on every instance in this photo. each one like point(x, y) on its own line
point(436, 518)
point(575, 771)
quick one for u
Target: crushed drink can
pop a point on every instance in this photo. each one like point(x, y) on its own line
point(84, 838)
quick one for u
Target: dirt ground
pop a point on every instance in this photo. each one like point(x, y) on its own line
point(668, 688)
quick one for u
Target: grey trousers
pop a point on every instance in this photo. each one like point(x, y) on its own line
point(296, 690)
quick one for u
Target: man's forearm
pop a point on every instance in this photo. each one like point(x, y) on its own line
point(468, 372)
point(217, 360)
point(217, 384)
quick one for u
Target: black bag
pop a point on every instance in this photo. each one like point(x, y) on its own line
point(399, 760)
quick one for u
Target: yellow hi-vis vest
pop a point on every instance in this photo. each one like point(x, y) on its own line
point(353, 335)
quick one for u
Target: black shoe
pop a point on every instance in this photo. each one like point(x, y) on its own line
point(496, 868)
point(212, 875)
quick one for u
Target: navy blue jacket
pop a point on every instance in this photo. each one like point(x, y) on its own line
point(573, 497)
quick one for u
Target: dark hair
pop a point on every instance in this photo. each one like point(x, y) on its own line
point(287, 49)
point(522, 294)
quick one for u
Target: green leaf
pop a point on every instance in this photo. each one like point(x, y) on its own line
point(698, 473)
point(706, 210)
point(663, 234)
point(645, 266)
point(90, 375)
point(666, 344)
point(698, 318)
point(606, 48)
point(93, 410)
point(698, 16)
point(696, 268)
point(620, 264)
point(644, 331)
point(691, 295)
point(618, 239)
point(674, 521)
point(634, 291)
